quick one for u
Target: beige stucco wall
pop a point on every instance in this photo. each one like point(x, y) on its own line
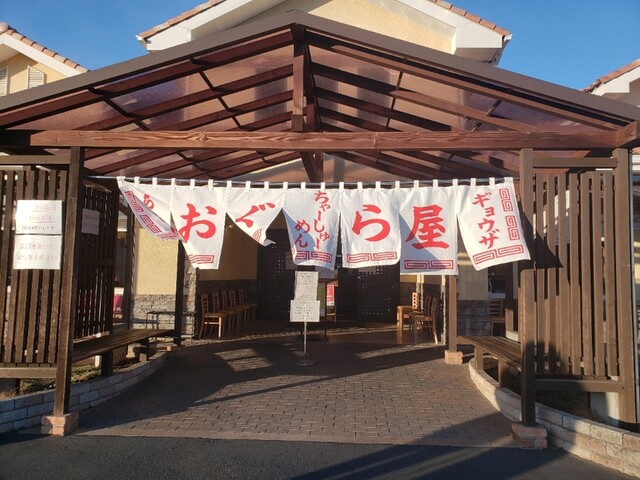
point(239, 257)
point(472, 284)
point(365, 15)
point(18, 72)
point(156, 264)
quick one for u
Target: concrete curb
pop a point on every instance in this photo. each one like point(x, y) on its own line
point(25, 411)
point(605, 445)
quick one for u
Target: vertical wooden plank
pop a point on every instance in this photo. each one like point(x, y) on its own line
point(575, 318)
point(552, 272)
point(7, 248)
point(71, 259)
point(14, 192)
point(542, 326)
point(586, 271)
point(624, 283)
point(564, 289)
point(610, 277)
point(56, 285)
point(26, 192)
point(179, 300)
point(34, 289)
point(44, 317)
point(596, 262)
point(527, 306)
point(452, 324)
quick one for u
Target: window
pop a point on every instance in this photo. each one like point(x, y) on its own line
point(4, 81)
point(36, 78)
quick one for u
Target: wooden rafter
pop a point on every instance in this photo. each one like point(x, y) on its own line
point(454, 79)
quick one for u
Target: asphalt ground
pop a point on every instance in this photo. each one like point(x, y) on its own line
point(26, 457)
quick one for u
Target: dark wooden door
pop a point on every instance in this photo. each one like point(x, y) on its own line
point(276, 278)
point(378, 293)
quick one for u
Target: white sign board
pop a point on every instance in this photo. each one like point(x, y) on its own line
point(305, 311)
point(306, 286)
point(41, 252)
point(40, 217)
point(90, 221)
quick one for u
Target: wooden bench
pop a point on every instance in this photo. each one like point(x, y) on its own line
point(104, 345)
point(506, 351)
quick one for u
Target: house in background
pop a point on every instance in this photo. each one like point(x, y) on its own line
point(623, 85)
point(26, 64)
point(433, 23)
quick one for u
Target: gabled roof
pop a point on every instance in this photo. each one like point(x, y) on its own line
point(297, 86)
point(212, 3)
point(471, 36)
point(617, 81)
point(13, 42)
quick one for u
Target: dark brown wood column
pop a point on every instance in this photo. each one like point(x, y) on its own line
point(624, 279)
point(526, 303)
point(179, 303)
point(69, 287)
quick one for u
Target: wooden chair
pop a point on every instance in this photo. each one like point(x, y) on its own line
point(235, 313)
point(210, 318)
point(253, 306)
point(496, 316)
point(245, 310)
point(427, 319)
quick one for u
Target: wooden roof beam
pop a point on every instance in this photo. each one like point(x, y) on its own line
point(310, 141)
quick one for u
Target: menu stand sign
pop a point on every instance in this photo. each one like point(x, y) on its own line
point(305, 307)
point(38, 240)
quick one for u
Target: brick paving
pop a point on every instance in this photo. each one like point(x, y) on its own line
point(368, 386)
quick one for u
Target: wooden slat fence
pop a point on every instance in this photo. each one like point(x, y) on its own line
point(30, 299)
point(575, 218)
point(97, 266)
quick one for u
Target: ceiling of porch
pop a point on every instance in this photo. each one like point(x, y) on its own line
point(255, 85)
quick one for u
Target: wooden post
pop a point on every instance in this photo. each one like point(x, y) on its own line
point(624, 281)
point(452, 355)
point(130, 243)
point(69, 288)
point(526, 303)
point(179, 304)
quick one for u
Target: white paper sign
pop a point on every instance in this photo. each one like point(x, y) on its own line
point(37, 252)
point(41, 217)
point(306, 286)
point(305, 311)
point(90, 221)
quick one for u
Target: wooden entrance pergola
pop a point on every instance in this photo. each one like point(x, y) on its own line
point(298, 90)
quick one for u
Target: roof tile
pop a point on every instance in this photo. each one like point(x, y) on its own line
point(613, 75)
point(6, 29)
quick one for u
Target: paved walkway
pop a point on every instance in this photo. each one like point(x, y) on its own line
point(366, 387)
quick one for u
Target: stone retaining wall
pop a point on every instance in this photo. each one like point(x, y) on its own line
point(597, 442)
point(26, 411)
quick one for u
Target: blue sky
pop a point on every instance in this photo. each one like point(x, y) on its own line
point(569, 42)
